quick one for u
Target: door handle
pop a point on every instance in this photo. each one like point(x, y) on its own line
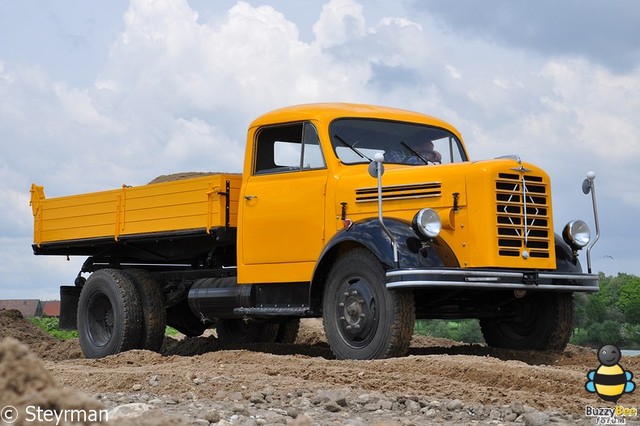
point(250, 197)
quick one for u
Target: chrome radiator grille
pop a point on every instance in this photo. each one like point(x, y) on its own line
point(522, 213)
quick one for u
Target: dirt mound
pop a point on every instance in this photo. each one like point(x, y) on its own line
point(13, 324)
point(311, 332)
point(311, 341)
point(24, 383)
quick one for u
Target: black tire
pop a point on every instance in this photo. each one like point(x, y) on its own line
point(541, 321)
point(288, 331)
point(362, 319)
point(109, 314)
point(154, 314)
point(239, 331)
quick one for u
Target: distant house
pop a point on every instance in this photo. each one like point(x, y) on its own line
point(51, 308)
point(27, 307)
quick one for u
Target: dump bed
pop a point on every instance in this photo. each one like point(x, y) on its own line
point(83, 224)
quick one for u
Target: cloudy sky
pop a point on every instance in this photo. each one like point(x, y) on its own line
point(97, 94)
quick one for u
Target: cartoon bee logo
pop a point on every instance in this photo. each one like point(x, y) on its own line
point(610, 381)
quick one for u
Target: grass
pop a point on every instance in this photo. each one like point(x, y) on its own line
point(51, 326)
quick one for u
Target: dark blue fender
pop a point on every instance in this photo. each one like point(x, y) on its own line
point(411, 253)
point(369, 234)
point(565, 261)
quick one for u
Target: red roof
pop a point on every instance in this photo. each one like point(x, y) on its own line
point(51, 308)
point(27, 307)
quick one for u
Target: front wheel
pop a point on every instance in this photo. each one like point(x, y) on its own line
point(362, 319)
point(539, 321)
point(109, 314)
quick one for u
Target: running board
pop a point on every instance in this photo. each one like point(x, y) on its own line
point(274, 311)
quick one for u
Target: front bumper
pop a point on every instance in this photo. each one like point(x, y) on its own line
point(473, 279)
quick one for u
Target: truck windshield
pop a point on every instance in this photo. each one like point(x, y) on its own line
point(356, 140)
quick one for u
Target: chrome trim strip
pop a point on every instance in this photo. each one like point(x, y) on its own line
point(461, 272)
point(495, 286)
point(476, 279)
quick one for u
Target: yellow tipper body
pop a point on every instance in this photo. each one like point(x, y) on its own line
point(182, 205)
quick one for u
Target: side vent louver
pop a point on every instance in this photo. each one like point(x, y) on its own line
point(399, 192)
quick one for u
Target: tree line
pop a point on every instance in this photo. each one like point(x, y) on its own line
point(610, 316)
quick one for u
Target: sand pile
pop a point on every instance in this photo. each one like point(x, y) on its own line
point(179, 176)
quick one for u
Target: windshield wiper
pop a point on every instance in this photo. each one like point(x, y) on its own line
point(414, 152)
point(345, 143)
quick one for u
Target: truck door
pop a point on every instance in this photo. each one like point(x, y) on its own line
point(282, 229)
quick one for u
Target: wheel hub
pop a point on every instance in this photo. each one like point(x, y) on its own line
point(356, 310)
point(353, 311)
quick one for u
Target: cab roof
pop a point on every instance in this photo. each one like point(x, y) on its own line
point(328, 112)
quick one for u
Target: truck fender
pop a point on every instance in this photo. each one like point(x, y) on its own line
point(369, 234)
point(565, 261)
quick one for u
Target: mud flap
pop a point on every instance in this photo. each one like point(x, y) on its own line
point(69, 296)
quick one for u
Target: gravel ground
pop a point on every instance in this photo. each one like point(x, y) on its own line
point(198, 382)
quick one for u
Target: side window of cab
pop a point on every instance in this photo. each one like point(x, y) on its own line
point(287, 148)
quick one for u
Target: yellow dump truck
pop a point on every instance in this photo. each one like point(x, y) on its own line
point(366, 216)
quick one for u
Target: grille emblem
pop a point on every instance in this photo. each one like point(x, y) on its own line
point(525, 196)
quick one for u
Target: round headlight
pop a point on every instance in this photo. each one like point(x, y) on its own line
point(427, 223)
point(576, 233)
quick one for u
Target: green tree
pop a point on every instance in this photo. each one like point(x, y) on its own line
point(596, 309)
point(632, 312)
point(470, 332)
point(606, 333)
point(629, 298)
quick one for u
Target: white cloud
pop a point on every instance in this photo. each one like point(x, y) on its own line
point(177, 92)
point(196, 144)
point(340, 21)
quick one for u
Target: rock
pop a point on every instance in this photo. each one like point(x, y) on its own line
point(301, 420)
point(135, 409)
point(332, 407)
point(511, 417)
point(386, 405)
point(517, 408)
point(535, 418)
point(454, 405)
point(257, 398)
point(410, 405)
point(136, 387)
point(236, 396)
point(212, 416)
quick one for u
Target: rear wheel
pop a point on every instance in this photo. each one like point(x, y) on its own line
point(539, 321)
point(154, 316)
point(362, 319)
point(109, 314)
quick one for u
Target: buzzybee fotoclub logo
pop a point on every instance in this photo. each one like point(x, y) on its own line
point(610, 381)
